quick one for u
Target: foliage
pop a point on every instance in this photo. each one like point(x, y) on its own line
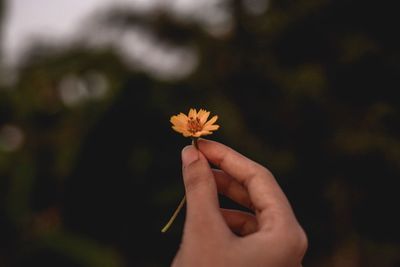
point(307, 88)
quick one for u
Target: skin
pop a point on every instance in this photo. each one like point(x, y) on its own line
point(269, 237)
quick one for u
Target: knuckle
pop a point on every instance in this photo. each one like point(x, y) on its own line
point(298, 241)
point(254, 170)
point(260, 170)
point(303, 243)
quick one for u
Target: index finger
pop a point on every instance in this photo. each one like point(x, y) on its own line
point(265, 193)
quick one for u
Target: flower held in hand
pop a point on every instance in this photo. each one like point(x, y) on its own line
point(195, 124)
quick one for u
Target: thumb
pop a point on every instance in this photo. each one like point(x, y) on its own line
point(201, 191)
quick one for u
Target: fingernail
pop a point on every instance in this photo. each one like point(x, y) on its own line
point(189, 154)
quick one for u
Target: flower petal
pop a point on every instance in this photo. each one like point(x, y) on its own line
point(178, 129)
point(192, 113)
point(179, 120)
point(201, 133)
point(183, 115)
point(183, 131)
point(187, 134)
point(211, 127)
point(211, 121)
point(194, 124)
point(203, 116)
point(198, 134)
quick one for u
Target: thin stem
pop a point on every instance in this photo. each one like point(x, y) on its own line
point(194, 142)
point(172, 219)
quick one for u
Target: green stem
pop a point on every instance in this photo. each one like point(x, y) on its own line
point(172, 219)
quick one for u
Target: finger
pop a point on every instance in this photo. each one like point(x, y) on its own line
point(241, 223)
point(232, 189)
point(201, 192)
point(264, 191)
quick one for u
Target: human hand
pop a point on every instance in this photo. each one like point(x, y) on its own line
point(219, 237)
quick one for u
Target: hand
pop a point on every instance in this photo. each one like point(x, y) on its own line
point(220, 237)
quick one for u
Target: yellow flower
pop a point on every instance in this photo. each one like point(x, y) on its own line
point(195, 124)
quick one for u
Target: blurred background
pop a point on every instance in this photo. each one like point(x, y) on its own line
point(90, 167)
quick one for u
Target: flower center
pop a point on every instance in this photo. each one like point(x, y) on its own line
point(194, 125)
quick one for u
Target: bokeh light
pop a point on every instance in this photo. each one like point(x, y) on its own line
point(89, 165)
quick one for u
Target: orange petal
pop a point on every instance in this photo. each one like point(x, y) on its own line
point(203, 116)
point(192, 113)
point(211, 127)
point(197, 134)
point(183, 115)
point(178, 129)
point(183, 131)
point(187, 134)
point(211, 121)
point(201, 133)
point(179, 120)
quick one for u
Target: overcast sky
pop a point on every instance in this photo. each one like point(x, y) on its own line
point(53, 19)
point(58, 21)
